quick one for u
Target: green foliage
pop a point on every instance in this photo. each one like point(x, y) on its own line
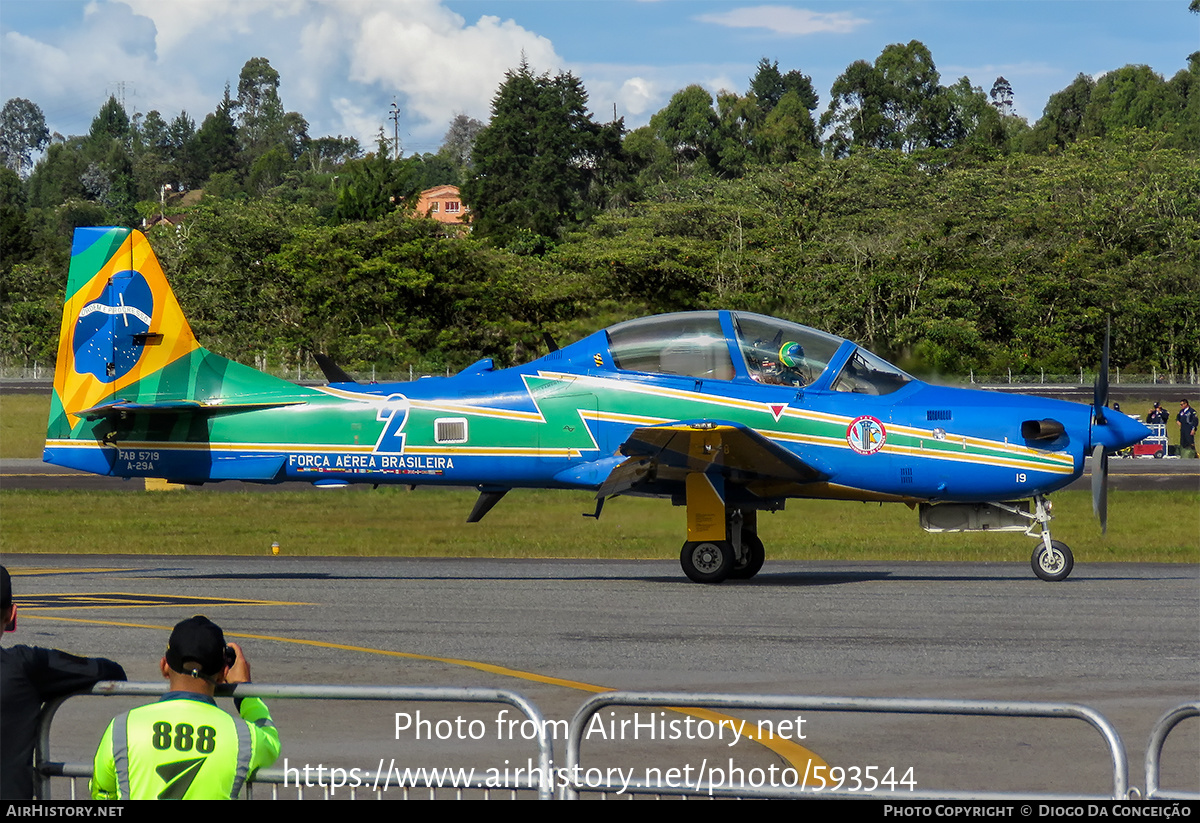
point(110, 123)
point(537, 160)
point(931, 237)
point(375, 185)
point(948, 266)
point(896, 103)
point(687, 125)
point(22, 132)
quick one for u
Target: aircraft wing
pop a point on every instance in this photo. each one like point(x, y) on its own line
point(660, 457)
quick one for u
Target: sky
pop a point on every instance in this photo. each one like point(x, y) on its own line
point(342, 63)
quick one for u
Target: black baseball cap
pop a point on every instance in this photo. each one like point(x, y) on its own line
point(197, 647)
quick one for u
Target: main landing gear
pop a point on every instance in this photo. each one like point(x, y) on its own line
point(722, 545)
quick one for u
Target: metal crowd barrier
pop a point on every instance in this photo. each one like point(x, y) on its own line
point(576, 778)
point(1158, 737)
point(582, 718)
point(46, 767)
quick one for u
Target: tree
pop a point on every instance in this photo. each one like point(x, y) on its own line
point(110, 123)
point(1185, 87)
point(687, 124)
point(856, 111)
point(915, 101)
point(217, 142)
point(327, 153)
point(894, 104)
point(1130, 97)
point(769, 86)
point(14, 227)
point(376, 185)
point(788, 133)
point(262, 122)
point(460, 139)
point(1062, 119)
point(153, 134)
point(22, 132)
point(1002, 96)
point(977, 121)
point(535, 161)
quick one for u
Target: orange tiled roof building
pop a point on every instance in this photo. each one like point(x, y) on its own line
point(443, 204)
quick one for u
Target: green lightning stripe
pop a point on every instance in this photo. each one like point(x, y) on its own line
point(906, 440)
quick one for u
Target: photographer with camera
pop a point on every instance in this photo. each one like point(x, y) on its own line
point(184, 747)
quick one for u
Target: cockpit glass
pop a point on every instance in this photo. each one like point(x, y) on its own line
point(690, 344)
point(779, 353)
point(865, 373)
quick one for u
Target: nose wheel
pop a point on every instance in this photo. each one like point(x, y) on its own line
point(1053, 563)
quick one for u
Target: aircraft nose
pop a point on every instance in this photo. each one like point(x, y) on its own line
point(1118, 431)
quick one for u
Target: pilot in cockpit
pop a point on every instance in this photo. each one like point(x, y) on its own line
point(784, 367)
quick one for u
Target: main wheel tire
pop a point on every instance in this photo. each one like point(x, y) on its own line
point(707, 561)
point(1052, 566)
point(756, 555)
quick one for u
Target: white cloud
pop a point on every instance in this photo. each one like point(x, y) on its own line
point(341, 63)
point(635, 95)
point(440, 64)
point(785, 20)
point(180, 24)
point(356, 121)
point(50, 65)
point(428, 57)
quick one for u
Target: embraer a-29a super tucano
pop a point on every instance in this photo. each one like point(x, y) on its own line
point(724, 412)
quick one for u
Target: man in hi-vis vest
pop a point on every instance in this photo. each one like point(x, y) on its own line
point(184, 747)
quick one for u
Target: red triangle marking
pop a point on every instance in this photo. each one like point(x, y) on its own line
point(777, 410)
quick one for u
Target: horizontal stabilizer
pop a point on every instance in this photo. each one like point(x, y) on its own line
point(125, 407)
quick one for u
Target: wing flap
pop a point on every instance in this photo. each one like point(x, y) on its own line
point(672, 451)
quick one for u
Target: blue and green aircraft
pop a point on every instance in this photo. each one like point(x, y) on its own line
point(725, 412)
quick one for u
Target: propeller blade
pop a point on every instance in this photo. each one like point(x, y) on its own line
point(1100, 396)
point(1100, 486)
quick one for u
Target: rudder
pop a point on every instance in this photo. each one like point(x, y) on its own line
point(121, 323)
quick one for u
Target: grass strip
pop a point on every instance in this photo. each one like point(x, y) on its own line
point(1151, 526)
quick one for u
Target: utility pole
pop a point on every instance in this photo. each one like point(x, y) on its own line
point(395, 130)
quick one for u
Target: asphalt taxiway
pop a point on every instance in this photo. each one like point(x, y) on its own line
point(1123, 639)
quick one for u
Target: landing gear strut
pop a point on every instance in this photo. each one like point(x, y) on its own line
point(722, 543)
point(1052, 559)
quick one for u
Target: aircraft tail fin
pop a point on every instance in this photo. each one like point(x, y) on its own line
point(125, 343)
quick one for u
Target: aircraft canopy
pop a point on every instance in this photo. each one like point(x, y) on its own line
point(771, 351)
